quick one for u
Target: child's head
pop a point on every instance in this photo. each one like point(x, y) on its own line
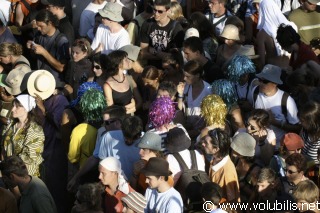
point(211, 192)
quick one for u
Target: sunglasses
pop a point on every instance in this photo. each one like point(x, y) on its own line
point(264, 81)
point(289, 171)
point(158, 11)
point(97, 67)
point(108, 122)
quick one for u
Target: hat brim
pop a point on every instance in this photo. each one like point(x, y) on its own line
point(154, 173)
point(109, 16)
point(31, 87)
point(267, 77)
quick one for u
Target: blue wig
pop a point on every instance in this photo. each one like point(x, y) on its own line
point(225, 89)
point(82, 89)
point(238, 66)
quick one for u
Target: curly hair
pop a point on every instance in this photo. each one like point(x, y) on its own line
point(92, 105)
point(7, 48)
point(162, 111)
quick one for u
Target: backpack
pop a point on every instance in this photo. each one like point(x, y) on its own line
point(13, 9)
point(191, 180)
point(284, 99)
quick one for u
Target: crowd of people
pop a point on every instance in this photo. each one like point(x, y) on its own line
point(159, 106)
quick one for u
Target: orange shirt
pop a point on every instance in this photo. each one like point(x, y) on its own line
point(113, 203)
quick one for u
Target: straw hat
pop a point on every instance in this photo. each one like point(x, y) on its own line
point(41, 82)
point(14, 82)
point(247, 50)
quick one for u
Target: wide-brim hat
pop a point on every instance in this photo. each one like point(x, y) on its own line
point(150, 140)
point(247, 50)
point(42, 83)
point(132, 51)
point(112, 11)
point(244, 144)
point(271, 73)
point(314, 1)
point(231, 32)
point(177, 140)
point(14, 82)
point(156, 167)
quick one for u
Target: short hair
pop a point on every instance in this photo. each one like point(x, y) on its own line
point(221, 140)
point(194, 44)
point(193, 67)
point(15, 165)
point(211, 191)
point(297, 160)
point(267, 174)
point(168, 86)
point(132, 127)
point(286, 36)
point(116, 112)
point(46, 16)
point(89, 197)
point(7, 48)
point(306, 190)
point(165, 3)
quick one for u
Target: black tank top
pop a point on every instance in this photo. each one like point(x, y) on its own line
point(121, 98)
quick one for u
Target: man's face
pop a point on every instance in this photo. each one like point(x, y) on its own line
point(153, 182)
point(266, 86)
point(292, 174)
point(9, 182)
point(160, 12)
point(110, 123)
point(43, 27)
point(189, 55)
point(264, 188)
point(309, 6)
point(214, 6)
point(106, 176)
point(207, 145)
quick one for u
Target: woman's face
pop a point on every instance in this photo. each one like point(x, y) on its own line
point(18, 111)
point(97, 69)
point(126, 64)
point(252, 126)
point(146, 154)
point(77, 54)
point(5, 59)
point(150, 83)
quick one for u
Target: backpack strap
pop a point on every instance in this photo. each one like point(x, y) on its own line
point(255, 95)
point(21, 62)
point(181, 162)
point(194, 164)
point(284, 104)
point(25, 3)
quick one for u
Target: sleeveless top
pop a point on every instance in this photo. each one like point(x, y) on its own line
point(121, 98)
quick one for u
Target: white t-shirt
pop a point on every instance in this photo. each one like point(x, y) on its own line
point(110, 41)
point(193, 107)
point(165, 202)
point(87, 17)
point(185, 154)
point(242, 90)
point(273, 104)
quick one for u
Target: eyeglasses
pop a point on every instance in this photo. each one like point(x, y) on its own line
point(97, 67)
point(264, 81)
point(110, 121)
point(159, 11)
point(289, 171)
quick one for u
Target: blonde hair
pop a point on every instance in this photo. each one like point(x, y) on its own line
point(306, 190)
point(7, 49)
point(176, 11)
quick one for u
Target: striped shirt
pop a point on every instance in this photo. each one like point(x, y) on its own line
point(310, 148)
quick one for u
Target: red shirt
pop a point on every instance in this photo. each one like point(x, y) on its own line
point(304, 54)
point(113, 203)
